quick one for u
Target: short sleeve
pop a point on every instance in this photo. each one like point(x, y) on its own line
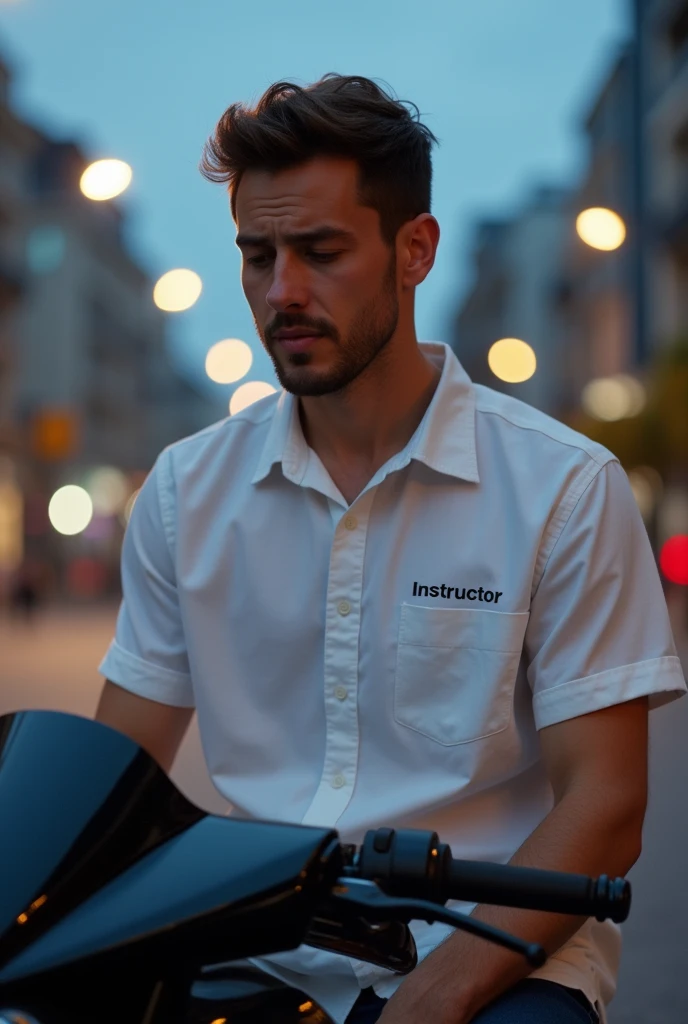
point(148, 653)
point(599, 632)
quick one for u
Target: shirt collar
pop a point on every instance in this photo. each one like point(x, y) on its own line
point(444, 439)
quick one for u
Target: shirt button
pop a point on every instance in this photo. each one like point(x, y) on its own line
point(343, 607)
point(351, 522)
point(341, 692)
point(338, 781)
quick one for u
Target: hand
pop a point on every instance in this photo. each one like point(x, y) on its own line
point(420, 999)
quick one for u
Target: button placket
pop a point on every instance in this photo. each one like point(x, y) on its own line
point(342, 629)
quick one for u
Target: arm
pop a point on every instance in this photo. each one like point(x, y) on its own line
point(148, 693)
point(597, 764)
point(158, 728)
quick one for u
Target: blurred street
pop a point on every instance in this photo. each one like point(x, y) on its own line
point(53, 665)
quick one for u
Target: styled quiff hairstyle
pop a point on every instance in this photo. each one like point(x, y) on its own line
point(342, 116)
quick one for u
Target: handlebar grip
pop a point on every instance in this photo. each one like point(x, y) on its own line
point(533, 889)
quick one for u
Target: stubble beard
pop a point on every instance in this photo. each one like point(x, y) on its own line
point(371, 331)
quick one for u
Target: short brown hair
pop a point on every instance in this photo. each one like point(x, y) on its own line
point(340, 115)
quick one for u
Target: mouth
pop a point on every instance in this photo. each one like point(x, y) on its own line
point(297, 342)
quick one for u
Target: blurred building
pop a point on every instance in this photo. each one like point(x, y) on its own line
point(517, 265)
point(665, 145)
point(15, 139)
point(586, 312)
point(595, 290)
point(85, 378)
point(609, 320)
point(620, 308)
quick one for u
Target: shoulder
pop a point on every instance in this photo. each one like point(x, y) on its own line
point(529, 434)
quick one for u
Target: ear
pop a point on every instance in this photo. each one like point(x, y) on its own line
point(416, 247)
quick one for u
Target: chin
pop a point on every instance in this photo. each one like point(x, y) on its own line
point(298, 377)
point(305, 385)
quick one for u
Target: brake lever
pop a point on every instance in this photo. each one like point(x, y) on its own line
point(366, 896)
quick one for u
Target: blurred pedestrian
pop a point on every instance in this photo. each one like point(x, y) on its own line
point(26, 593)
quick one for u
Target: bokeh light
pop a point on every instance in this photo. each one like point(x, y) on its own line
point(601, 228)
point(647, 487)
point(105, 179)
point(228, 361)
point(613, 398)
point(70, 509)
point(642, 492)
point(109, 489)
point(11, 524)
point(127, 510)
point(512, 360)
point(673, 559)
point(248, 393)
point(177, 290)
point(102, 529)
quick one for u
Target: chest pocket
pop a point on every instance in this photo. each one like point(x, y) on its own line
point(456, 669)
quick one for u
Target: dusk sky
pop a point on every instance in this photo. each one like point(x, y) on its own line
point(504, 85)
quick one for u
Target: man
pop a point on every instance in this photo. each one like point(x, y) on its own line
point(394, 598)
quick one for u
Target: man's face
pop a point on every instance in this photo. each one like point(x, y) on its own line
point(340, 285)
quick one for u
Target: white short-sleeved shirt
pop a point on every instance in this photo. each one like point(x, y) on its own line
point(391, 662)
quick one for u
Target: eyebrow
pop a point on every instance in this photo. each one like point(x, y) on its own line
point(322, 234)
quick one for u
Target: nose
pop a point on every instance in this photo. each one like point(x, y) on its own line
point(288, 286)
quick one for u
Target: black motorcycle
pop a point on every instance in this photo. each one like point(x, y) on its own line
point(123, 903)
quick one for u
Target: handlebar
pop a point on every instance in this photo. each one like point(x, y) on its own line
point(414, 863)
point(397, 876)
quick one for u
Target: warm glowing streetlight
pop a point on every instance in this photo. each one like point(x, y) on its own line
point(105, 179)
point(512, 360)
point(11, 523)
point(109, 489)
point(70, 510)
point(601, 228)
point(177, 290)
point(228, 361)
point(248, 393)
point(613, 398)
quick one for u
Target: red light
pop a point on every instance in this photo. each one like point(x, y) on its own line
point(673, 559)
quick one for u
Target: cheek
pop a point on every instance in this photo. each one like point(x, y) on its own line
point(357, 284)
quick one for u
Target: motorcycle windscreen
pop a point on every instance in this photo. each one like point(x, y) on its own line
point(99, 849)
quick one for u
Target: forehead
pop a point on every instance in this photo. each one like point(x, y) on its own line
point(322, 189)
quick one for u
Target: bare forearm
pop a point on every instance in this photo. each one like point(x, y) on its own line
point(575, 837)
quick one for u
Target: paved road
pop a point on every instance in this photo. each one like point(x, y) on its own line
point(53, 665)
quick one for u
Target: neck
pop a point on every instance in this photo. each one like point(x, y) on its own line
point(374, 417)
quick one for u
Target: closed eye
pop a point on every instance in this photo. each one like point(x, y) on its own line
point(319, 257)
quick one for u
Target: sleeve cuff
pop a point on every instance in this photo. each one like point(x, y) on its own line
point(660, 679)
point(146, 679)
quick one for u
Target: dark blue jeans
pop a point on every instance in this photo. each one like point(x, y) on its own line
point(533, 1001)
